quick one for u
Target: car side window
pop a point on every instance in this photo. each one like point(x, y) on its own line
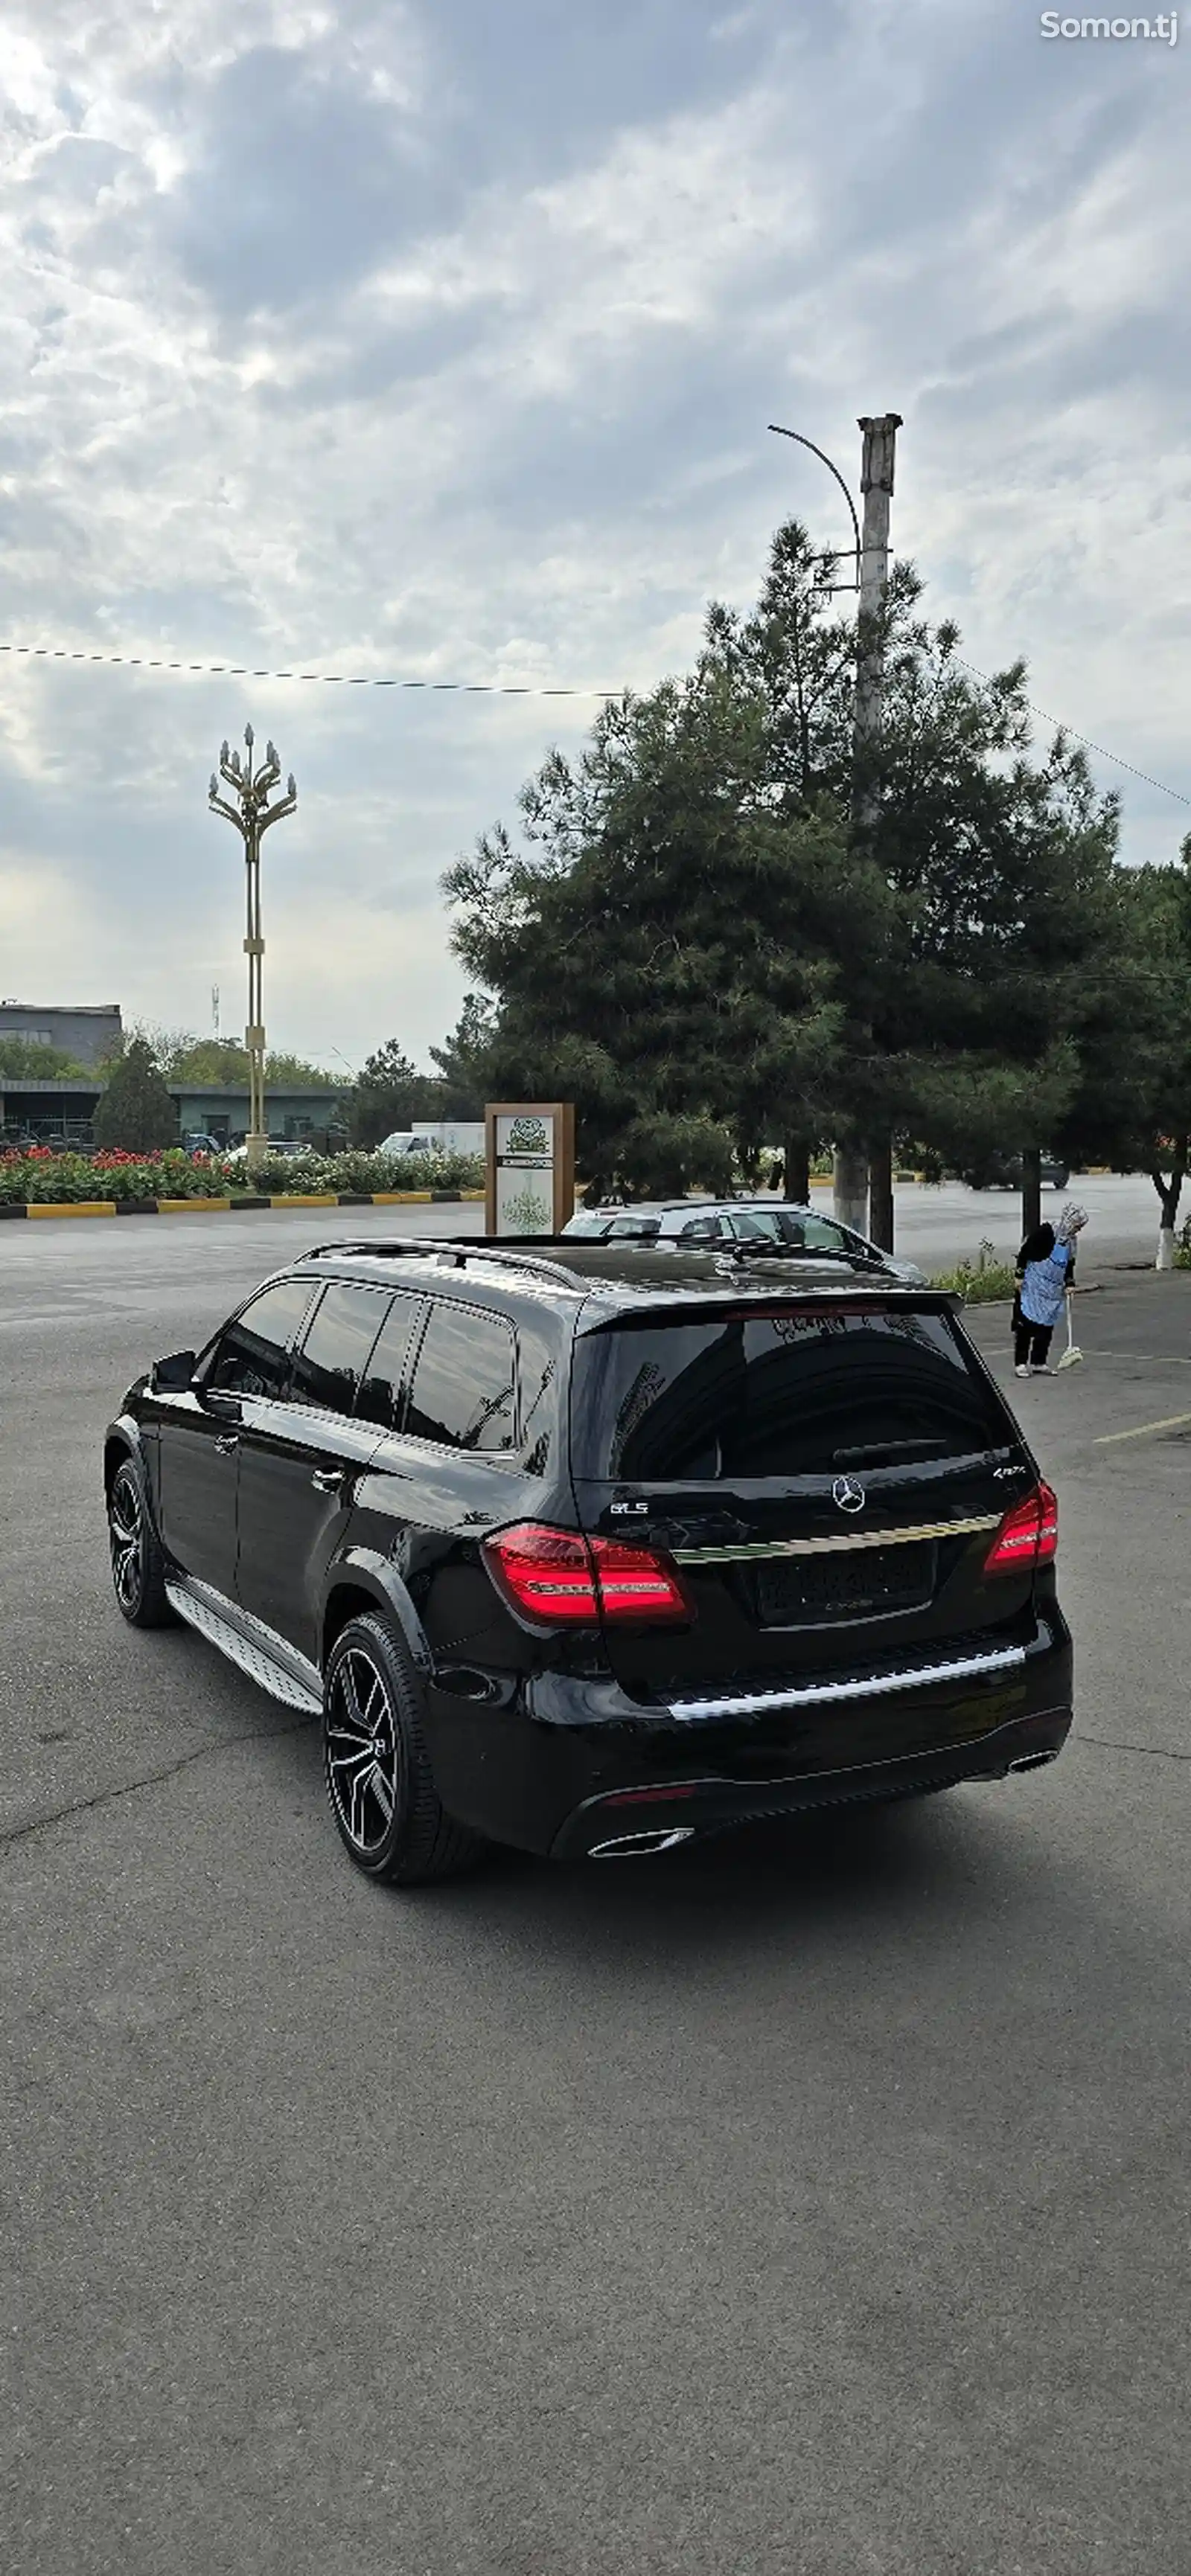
point(253, 1356)
point(702, 1229)
point(329, 1366)
point(464, 1392)
point(385, 1382)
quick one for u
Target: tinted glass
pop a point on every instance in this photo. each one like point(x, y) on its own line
point(330, 1365)
point(382, 1395)
point(252, 1357)
point(778, 1395)
point(702, 1229)
point(633, 1229)
point(464, 1388)
point(797, 1226)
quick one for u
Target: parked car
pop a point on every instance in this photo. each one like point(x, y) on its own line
point(437, 1136)
point(1006, 1172)
point(593, 1551)
point(197, 1143)
point(755, 1223)
point(278, 1147)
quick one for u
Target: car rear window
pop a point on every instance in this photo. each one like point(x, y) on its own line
point(778, 1394)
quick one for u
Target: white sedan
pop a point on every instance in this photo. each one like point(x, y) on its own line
point(778, 1221)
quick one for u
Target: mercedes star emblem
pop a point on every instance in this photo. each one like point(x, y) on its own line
point(848, 1494)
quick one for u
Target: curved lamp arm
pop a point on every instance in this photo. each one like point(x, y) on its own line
point(275, 813)
point(796, 434)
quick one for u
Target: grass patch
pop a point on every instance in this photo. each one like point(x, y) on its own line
point(982, 1282)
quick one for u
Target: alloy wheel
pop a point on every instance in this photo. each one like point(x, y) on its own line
point(363, 1751)
point(126, 1531)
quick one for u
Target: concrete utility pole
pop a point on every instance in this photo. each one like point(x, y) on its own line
point(252, 817)
point(852, 1172)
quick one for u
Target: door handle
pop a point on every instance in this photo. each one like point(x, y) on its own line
point(230, 1441)
point(327, 1480)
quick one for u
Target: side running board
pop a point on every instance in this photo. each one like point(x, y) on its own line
point(266, 1658)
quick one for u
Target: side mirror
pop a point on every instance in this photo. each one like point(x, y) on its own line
point(222, 1400)
point(172, 1376)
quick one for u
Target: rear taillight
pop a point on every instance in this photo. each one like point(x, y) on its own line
point(1028, 1535)
point(558, 1579)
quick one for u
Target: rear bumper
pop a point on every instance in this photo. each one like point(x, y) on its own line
point(712, 1806)
point(560, 1767)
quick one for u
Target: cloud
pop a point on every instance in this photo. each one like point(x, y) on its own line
point(441, 342)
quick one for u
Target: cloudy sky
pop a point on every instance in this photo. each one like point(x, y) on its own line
point(434, 339)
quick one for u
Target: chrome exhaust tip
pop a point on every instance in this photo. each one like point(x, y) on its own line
point(1032, 1761)
point(642, 1846)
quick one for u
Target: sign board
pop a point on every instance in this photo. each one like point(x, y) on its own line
point(530, 1166)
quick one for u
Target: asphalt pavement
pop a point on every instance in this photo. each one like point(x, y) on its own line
point(814, 2204)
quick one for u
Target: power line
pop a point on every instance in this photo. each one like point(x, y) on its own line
point(1085, 739)
point(488, 689)
point(328, 679)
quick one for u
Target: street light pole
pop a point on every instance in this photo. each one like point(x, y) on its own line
point(876, 484)
point(856, 1183)
point(251, 816)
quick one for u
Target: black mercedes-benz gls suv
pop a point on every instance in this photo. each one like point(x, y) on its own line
point(577, 1550)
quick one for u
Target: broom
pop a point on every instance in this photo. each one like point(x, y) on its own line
point(1072, 1356)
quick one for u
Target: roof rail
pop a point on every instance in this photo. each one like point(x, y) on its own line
point(460, 1252)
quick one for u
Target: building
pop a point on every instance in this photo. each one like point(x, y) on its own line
point(87, 1033)
point(220, 1110)
point(35, 1111)
point(60, 1113)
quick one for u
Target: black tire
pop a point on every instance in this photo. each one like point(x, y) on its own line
point(138, 1566)
point(387, 1811)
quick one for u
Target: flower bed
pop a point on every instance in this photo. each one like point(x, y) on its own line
point(42, 1176)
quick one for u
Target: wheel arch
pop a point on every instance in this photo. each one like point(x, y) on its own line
point(122, 1440)
point(361, 1581)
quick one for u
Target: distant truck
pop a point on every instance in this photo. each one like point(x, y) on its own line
point(438, 1136)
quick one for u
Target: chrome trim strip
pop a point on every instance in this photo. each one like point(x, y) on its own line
point(812, 1694)
point(257, 1654)
point(833, 1545)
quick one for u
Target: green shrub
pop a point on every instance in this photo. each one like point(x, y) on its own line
point(982, 1282)
point(44, 1177)
point(357, 1171)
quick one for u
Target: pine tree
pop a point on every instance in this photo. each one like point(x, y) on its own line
point(391, 1094)
point(136, 1112)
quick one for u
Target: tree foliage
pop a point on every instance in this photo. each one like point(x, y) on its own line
point(1132, 1104)
point(664, 949)
point(715, 930)
point(30, 1060)
point(184, 1058)
point(390, 1094)
point(464, 1061)
point(136, 1112)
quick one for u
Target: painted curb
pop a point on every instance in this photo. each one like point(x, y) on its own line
point(228, 1207)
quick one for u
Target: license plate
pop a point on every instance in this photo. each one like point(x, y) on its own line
point(800, 1590)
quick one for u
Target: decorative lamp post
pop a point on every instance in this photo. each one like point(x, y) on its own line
point(252, 815)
